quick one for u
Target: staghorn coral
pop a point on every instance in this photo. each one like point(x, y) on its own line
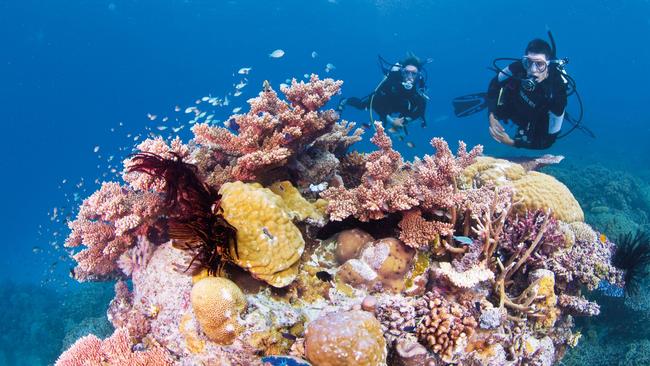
point(446, 326)
point(217, 302)
point(345, 338)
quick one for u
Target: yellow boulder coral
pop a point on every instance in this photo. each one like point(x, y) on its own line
point(217, 303)
point(299, 207)
point(534, 190)
point(269, 245)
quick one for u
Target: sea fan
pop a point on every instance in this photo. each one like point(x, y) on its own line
point(633, 256)
point(196, 222)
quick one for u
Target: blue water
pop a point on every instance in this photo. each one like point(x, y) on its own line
point(72, 70)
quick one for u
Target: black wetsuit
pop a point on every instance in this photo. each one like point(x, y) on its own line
point(391, 97)
point(528, 110)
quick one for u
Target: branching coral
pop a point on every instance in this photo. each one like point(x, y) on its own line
point(446, 326)
point(273, 130)
point(108, 224)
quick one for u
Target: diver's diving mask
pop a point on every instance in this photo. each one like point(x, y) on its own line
point(534, 65)
point(409, 77)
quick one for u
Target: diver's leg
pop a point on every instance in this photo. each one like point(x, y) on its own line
point(357, 103)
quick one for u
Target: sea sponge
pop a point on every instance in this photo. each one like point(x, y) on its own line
point(269, 245)
point(299, 207)
point(349, 244)
point(535, 190)
point(345, 338)
point(217, 302)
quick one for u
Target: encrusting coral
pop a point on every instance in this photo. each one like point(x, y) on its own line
point(264, 236)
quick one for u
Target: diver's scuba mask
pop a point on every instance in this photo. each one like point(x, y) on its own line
point(409, 77)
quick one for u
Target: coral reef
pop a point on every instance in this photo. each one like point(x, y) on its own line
point(263, 241)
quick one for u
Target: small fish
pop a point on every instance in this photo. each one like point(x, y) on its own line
point(176, 129)
point(277, 53)
point(401, 138)
point(165, 119)
point(366, 125)
point(288, 336)
point(189, 109)
point(96, 149)
point(314, 54)
point(329, 67)
point(151, 116)
point(392, 130)
point(237, 93)
point(225, 101)
point(205, 99)
point(409, 329)
point(603, 238)
point(306, 76)
point(324, 276)
point(236, 110)
point(161, 128)
point(177, 109)
point(241, 84)
point(283, 85)
point(37, 250)
point(410, 144)
point(244, 70)
point(463, 240)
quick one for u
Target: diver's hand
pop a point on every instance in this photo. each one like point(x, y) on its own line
point(498, 133)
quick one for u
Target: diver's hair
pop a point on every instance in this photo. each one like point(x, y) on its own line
point(539, 46)
point(412, 59)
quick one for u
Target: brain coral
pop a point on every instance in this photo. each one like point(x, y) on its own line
point(269, 245)
point(534, 190)
point(345, 338)
point(217, 302)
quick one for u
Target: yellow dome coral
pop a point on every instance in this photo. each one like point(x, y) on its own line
point(269, 245)
point(217, 302)
point(534, 190)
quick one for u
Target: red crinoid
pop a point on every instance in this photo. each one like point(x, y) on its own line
point(196, 221)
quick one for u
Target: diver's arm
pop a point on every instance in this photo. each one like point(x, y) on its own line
point(498, 82)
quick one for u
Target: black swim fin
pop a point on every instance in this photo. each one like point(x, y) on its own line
point(469, 104)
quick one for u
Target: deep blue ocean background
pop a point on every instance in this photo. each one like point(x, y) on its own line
point(80, 74)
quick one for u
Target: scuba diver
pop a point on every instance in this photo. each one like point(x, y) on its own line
point(399, 98)
point(532, 93)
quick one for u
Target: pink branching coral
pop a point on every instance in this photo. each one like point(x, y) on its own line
point(383, 189)
point(115, 350)
point(108, 223)
point(436, 175)
point(417, 232)
point(388, 185)
point(273, 130)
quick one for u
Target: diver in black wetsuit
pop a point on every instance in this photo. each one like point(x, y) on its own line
point(532, 93)
point(399, 98)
